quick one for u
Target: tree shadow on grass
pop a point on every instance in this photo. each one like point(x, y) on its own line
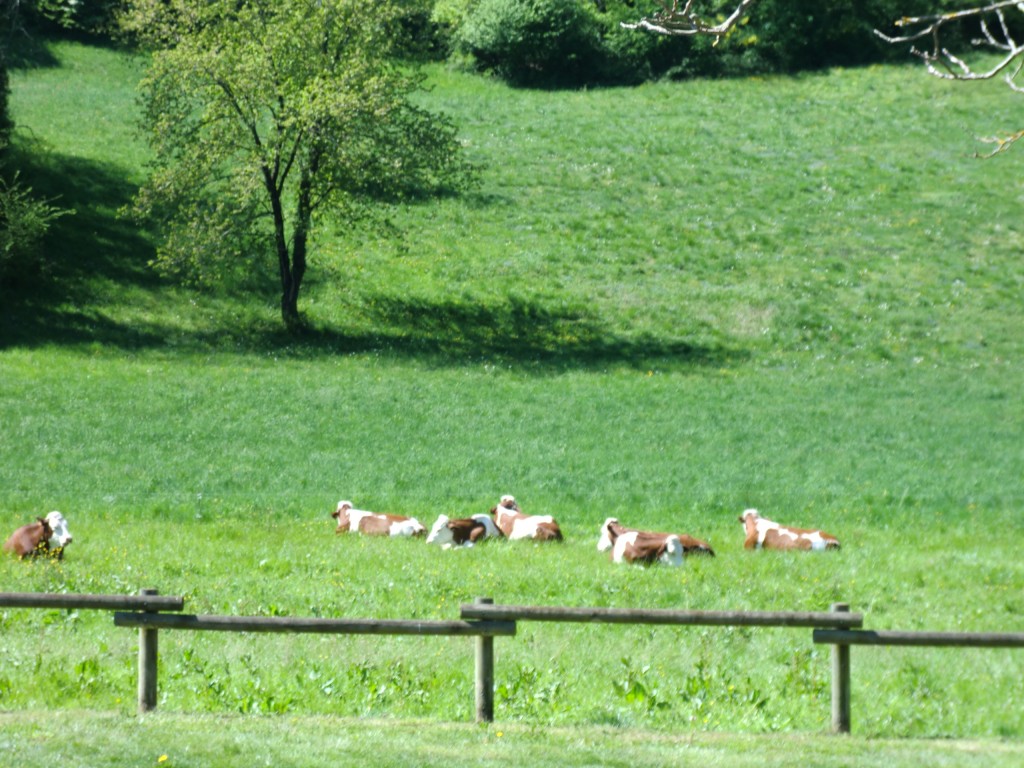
point(93, 256)
point(87, 253)
point(513, 330)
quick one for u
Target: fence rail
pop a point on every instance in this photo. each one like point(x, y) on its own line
point(661, 616)
point(285, 624)
point(932, 639)
point(141, 602)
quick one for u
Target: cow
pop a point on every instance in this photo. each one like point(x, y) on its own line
point(765, 534)
point(374, 523)
point(691, 545)
point(47, 535)
point(462, 532)
point(517, 525)
point(641, 547)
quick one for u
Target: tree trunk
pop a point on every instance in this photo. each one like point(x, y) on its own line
point(292, 265)
point(303, 219)
point(291, 274)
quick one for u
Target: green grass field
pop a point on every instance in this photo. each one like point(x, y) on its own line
point(667, 304)
point(92, 740)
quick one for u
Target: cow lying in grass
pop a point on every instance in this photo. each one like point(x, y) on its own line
point(462, 532)
point(765, 534)
point(517, 525)
point(640, 547)
point(374, 523)
point(46, 536)
point(691, 545)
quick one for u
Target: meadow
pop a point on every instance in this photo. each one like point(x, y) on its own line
point(666, 304)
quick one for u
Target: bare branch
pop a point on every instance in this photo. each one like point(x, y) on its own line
point(928, 24)
point(671, 19)
point(1002, 143)
point(941, 62)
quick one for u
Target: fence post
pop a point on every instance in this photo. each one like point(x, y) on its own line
point(484, 673)
point(147, 663)
point(840, 680)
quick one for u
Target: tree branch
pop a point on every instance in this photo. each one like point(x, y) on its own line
point(672, 19)
point(941, 62)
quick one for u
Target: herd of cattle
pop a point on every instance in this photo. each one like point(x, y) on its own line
point(625, 545)
point(49, 535)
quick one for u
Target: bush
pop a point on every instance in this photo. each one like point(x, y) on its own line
point(534, 42)
point(89, 16)
point(577, 42)
point(795, 35)
point(24, 220)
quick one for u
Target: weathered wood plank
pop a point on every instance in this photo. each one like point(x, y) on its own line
point(841, 717)
point(484, 665)
point(91, 602)
point(149, 648)
point(934, 639)
point(286, 624)
point(661, 616)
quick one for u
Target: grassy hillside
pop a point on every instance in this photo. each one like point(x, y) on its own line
point(838, 214)
point(666, 304)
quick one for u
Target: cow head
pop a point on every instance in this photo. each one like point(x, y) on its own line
point(341, 515)
point(440, 533)
point(59, 536)
point(609, 532)
point(750, 514)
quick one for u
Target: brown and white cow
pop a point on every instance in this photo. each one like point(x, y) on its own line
point(47, 535)
point(462, 532)
point(691, 545)
point(374, 523)
point(765, 534)
point(517, 525)
point(641, 547)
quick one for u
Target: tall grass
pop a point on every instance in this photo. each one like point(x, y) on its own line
point(665, 304)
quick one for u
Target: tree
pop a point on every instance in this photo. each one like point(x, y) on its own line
point(266, 115)
point(8, 27)
point(997, 34)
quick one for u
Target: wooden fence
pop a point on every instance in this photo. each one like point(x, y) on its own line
point(839, 618)
point(151, 612)
point(484, 631)
point(842, 639)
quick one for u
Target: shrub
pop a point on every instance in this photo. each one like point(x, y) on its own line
point(24, 220)
point(534, 42)
point(576, 42)
point(794, 35)
point(90, 16)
